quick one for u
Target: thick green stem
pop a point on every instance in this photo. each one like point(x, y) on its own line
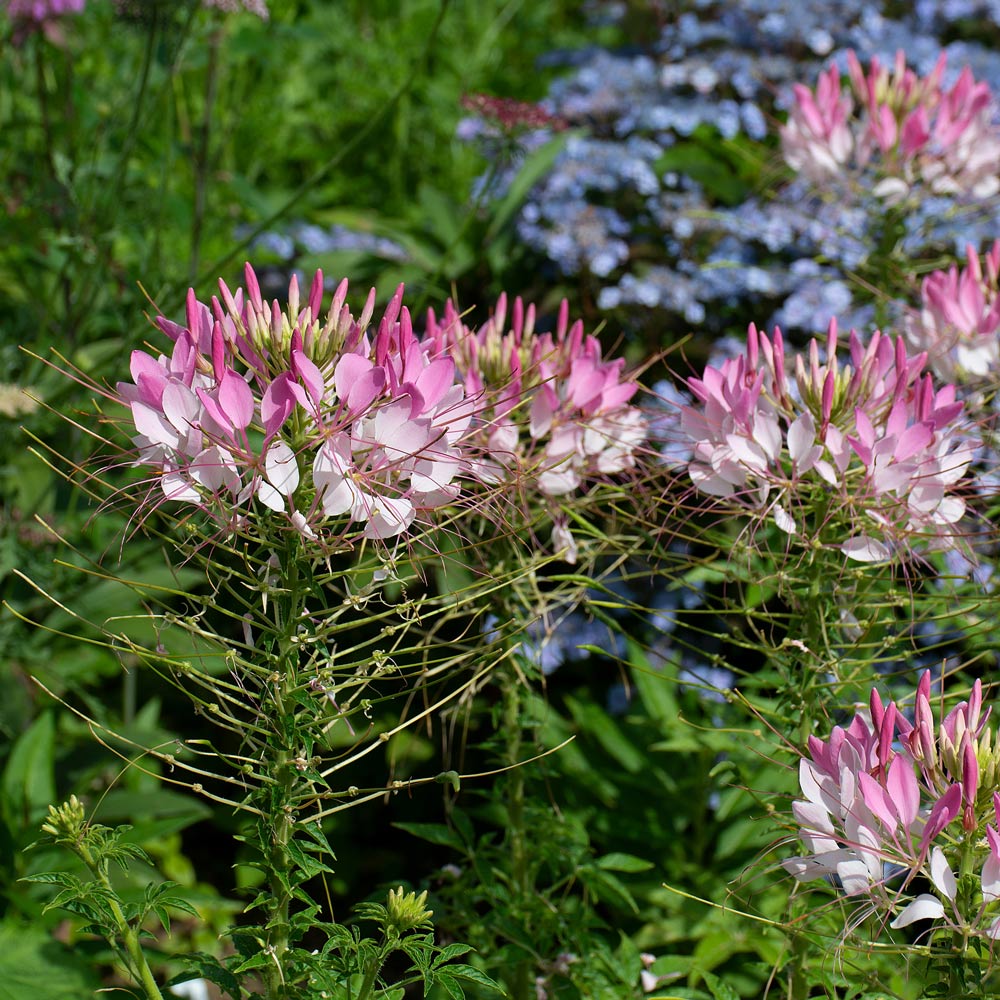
point(136, 958)
point(279, 825)
point(279, 866)
point(516, 833)
point(798, 982)
point(371, 976)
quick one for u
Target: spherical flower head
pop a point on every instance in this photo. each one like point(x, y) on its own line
point(263, 407)
point(902, 130)
point(885, 801)
point(957, 324)
point(552, 412)
point(863, 453)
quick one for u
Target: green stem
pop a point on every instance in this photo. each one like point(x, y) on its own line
point(279, 865)
point(798, 983)
point(516, 839)
point(201, 153)
point(137, 964)
point(371, 975)
point(279, 825)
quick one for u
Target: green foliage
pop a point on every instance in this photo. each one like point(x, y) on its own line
point(32, 964)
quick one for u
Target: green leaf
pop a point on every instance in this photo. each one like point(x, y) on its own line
point(33, 965)
point(607, 887)
point(450, 987)
point(29, 778)
point(720, 990)
point(452, 951)
point(206, 967)
point(536, 165)
point(593, 720)
point(308, 864)
point(706, 159)
point(473, 975)
point(617, 862)
point(655, 687)
point(434, 833)
point(54, 878)
point(258, 961)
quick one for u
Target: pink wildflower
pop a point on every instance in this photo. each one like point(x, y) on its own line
point(907, 131)
point(260, 406)
point(551, 407)
point(869, 451)
point(959, 322)
point(40, 15)
point(879, 797)
point(817, 140)
point(258, 7)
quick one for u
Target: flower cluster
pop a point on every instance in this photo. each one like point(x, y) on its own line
point(909, 129)
point(40, 15)
point(258, 7)
point(870, 449)
point(552, 408)
point(315, 420)
point(958, 323)
point(886, 801)
point(511, 116)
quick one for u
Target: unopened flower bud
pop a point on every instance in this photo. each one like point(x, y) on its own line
point(406, 911)
point(66, 822)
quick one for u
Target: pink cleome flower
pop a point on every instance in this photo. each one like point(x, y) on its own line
point(552, 409)
point(260, 406)
point(41, 10)
point(885, 800)
point(909, 131)
point(959, 322)
point(40, 15)
point(258, 7)
point(869, 452)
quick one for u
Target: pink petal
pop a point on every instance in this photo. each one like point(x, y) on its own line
point(236, 400)
point(276, 404)
point(903, 790)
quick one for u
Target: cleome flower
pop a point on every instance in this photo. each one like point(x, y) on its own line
point(261, 407)
point(885, 801)
point(864, 454)
point(550, 410)
point(29, 16)
point(958, 324)
point(903, 131)
point(258, 7)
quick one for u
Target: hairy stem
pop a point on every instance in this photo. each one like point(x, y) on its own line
point(278, 827)
point(135, 958)
point(516, 833)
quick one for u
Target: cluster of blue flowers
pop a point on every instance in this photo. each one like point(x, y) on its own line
point(632, 207)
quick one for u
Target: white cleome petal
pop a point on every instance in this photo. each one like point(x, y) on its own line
point(924, 907)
